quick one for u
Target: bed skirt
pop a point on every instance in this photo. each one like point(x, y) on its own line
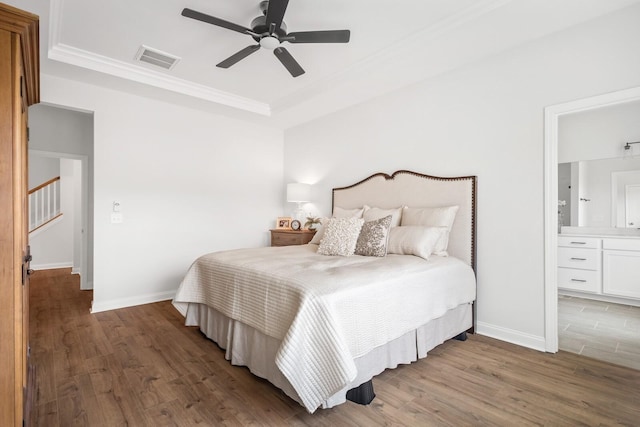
point(246, 346)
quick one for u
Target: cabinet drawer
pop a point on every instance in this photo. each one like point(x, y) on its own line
point(579, 280)
point(621, 244)
point(585, 259)
point(579, 242)
point(289, 237)
point(282, 239)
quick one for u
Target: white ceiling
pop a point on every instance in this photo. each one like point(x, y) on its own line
point(393, 43)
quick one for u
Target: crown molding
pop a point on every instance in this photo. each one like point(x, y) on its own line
point(405, 48)
point(59, 51)
point(103, 64)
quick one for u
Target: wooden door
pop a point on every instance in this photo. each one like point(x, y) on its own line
point(19, 88)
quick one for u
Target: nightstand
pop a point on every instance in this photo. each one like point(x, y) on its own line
point(284, 237)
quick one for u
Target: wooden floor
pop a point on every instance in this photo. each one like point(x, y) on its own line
point(140, 366)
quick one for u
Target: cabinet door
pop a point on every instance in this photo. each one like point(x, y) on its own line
point(621, 273)
point(14, 291)
point(19, 88)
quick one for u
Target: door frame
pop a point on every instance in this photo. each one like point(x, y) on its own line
point(626, 203)
point(552, 115)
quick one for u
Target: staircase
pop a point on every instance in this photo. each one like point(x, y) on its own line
point(44, 204)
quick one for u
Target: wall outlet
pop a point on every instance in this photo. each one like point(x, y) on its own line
point(116, 218)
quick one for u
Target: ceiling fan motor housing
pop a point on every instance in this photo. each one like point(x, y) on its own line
point(259, 25)
point(264, 5)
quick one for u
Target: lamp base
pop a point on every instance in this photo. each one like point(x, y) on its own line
point(299, 214)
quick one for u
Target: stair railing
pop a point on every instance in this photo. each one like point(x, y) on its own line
point(44, 203)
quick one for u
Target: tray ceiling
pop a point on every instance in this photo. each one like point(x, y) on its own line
point(393, 44)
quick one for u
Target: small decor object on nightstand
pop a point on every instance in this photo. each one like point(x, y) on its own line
point(283, 222)
point(295, 225)
point(312, 223)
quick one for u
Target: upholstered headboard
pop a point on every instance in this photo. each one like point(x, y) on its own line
point(406, 188)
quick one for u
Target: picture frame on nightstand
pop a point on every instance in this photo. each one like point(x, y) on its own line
point(283, 223)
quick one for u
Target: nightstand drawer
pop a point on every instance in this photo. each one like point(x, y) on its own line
point(585, 259)
point(281, 239)
point(579, 280)
point(291, 237)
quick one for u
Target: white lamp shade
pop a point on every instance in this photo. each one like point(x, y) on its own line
point(297, 192)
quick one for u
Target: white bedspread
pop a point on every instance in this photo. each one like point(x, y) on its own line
point(326, 310)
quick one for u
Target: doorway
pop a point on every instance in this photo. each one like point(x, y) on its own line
point(62, 243)
point(67, 135)
point(551, 146)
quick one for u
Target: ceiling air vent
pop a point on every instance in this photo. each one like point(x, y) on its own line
point(156, 57)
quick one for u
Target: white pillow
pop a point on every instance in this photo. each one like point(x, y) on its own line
point(340, 236)
point(371, 214)
point(414, 240)
point(432, 217)
point(347, 213)
point(317, 238)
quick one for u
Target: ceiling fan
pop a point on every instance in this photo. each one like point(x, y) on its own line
point(270, 32)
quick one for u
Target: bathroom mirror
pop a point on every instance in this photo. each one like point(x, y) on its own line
point(598, 179)
point(600, 193)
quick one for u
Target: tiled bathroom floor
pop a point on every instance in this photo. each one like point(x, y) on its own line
point(600, 330)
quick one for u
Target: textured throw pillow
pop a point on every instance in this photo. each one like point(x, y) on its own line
point(339, 212)
point(317, 238)
point(340, 236)
point(414, 240)
point(371, 214)
point(373, 237)
point(432, 217)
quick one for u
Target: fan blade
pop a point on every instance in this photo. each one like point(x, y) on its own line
point(236, 57)
point(190, 13)
point(287, 60)
point(275, 13)
point(333, 36)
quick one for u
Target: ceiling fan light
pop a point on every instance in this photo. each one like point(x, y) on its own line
point(269, 42)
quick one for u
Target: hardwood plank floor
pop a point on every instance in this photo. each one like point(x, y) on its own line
point(141, 366)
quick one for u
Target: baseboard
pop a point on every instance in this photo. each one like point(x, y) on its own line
point(115, 304)
point(510, 335)
point(51, 266)
point(599, 297)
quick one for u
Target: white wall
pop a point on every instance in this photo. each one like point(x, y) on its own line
point(599, 133)
point(487, 120)
point(78, 224)
point(42, 169)
point(189, 183)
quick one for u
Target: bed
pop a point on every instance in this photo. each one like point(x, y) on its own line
point(320, 326)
